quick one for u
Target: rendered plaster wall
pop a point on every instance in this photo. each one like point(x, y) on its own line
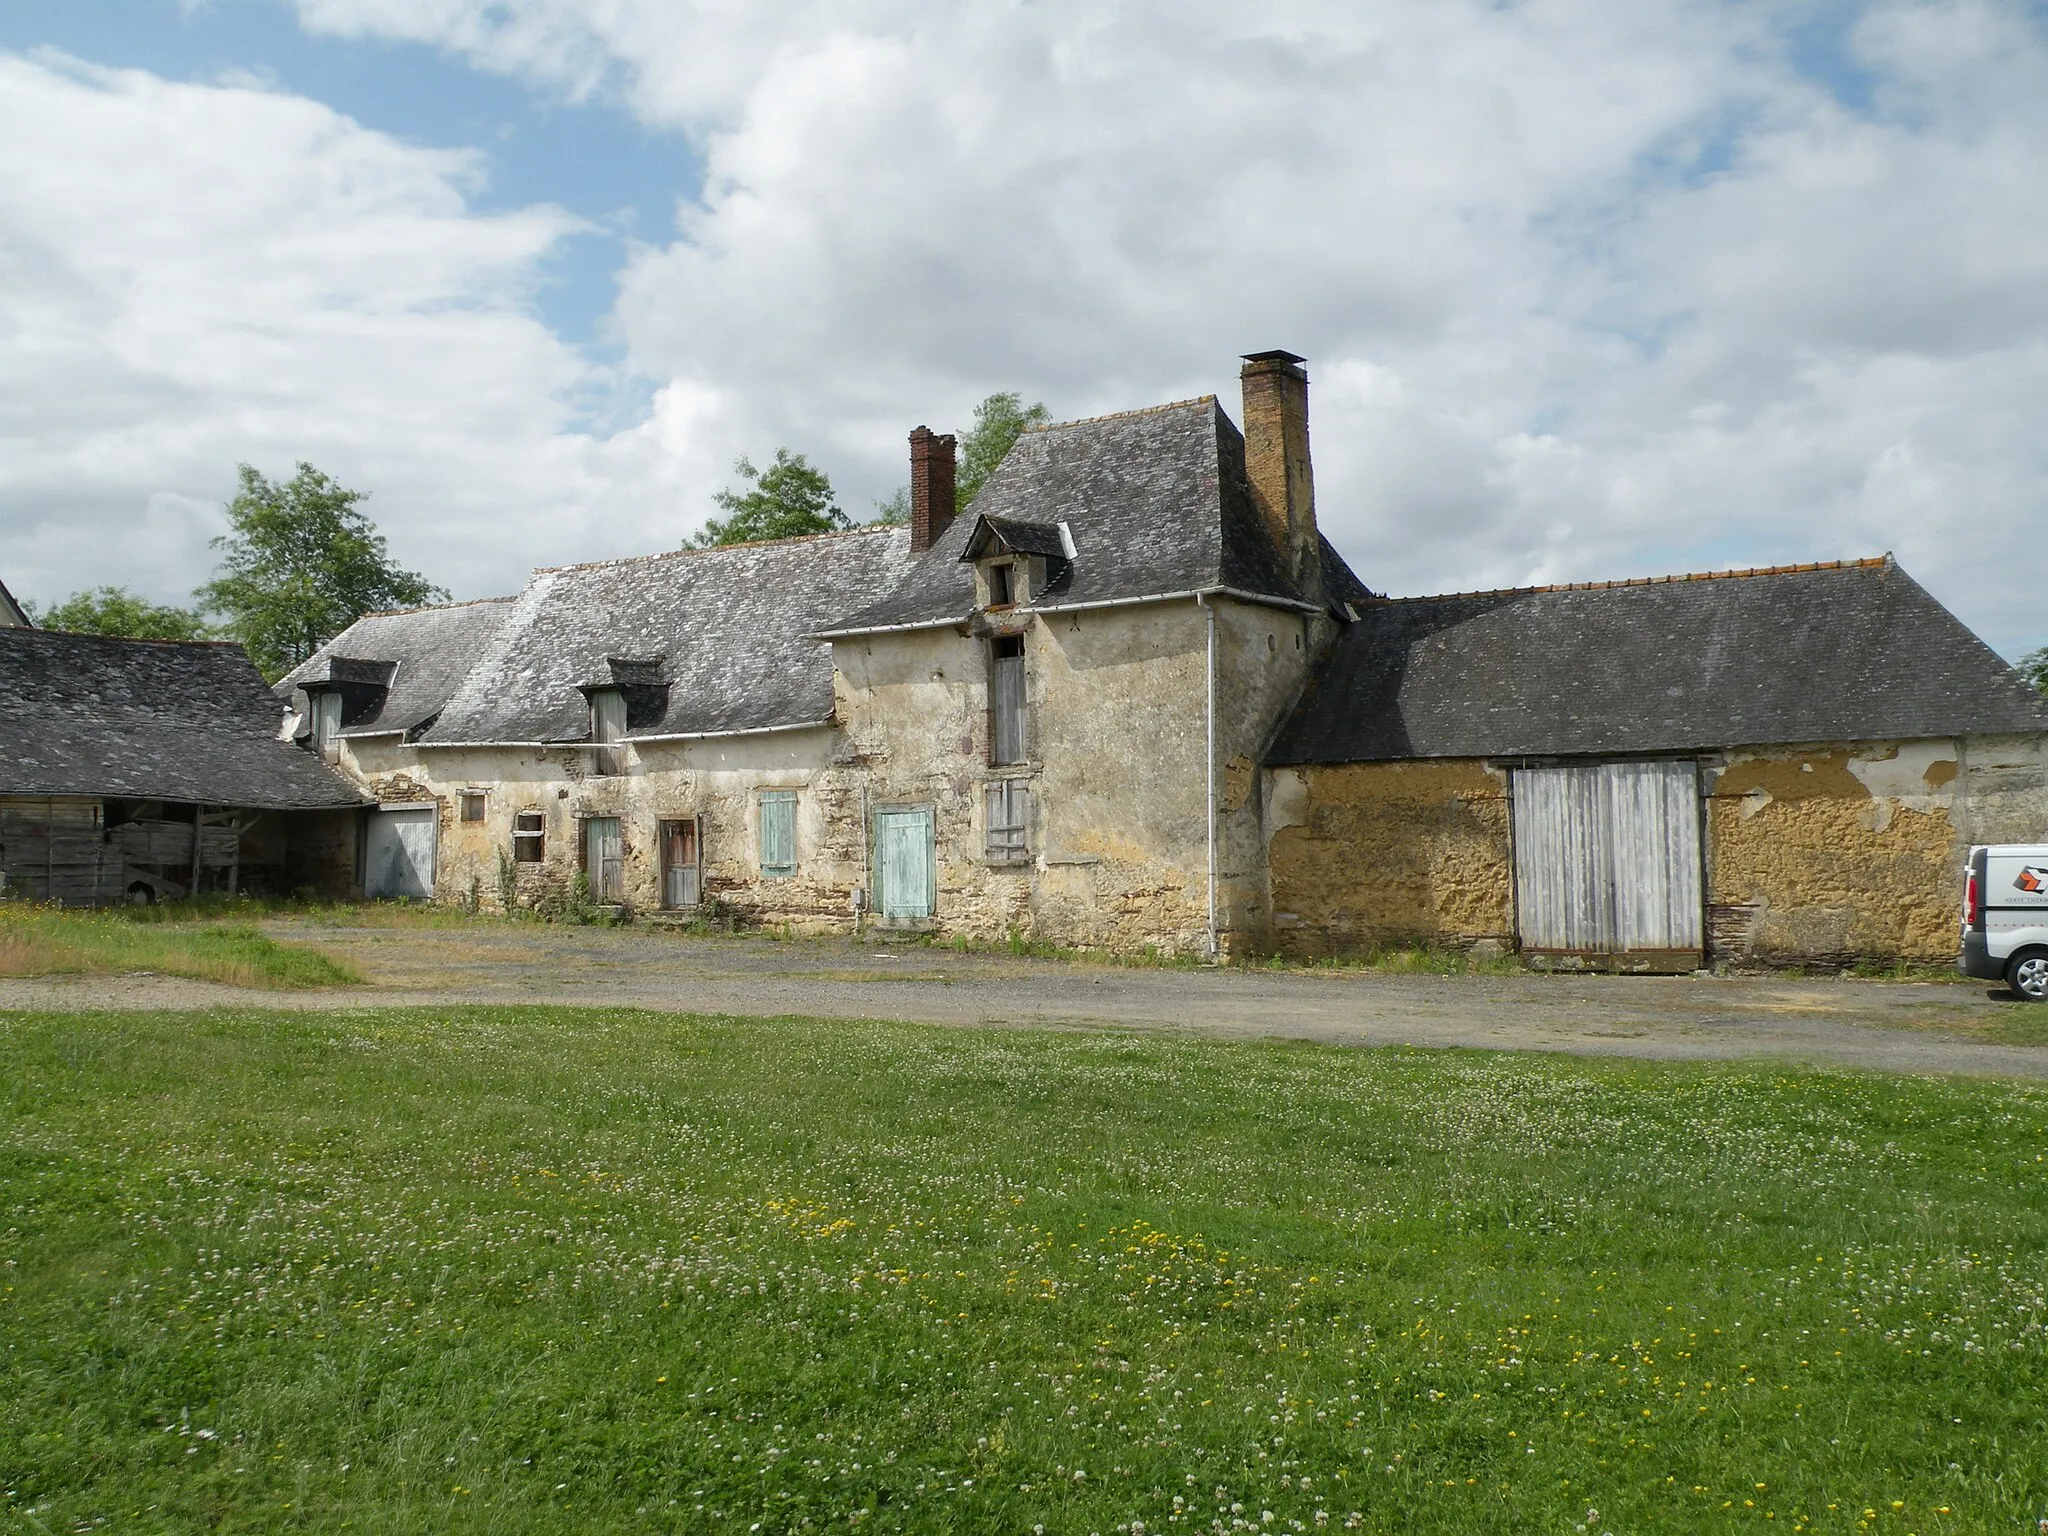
point(716, 781)
point(1116, 740)
point(1114, 737)
point(1263, 660)
point(1826, 854)
point(1369, 854)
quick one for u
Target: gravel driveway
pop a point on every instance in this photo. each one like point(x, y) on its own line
point(1899, 1026)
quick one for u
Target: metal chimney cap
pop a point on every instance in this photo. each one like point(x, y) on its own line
point(1272, 357)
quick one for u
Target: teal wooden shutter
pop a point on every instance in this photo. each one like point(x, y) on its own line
point(778, 833)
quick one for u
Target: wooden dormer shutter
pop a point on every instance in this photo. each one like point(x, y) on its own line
point(607, 725)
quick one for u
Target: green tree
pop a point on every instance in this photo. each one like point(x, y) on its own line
point(896, 509)
point(2034, 667)
point(117, 611)
point(300, 566)
point(998, 422)
point(788, 499)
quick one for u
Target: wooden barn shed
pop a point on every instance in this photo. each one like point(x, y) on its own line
point(132, 770)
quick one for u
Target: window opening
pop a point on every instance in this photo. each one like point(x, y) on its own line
point(778, 833)
point(1009, 805)
point(529, 837)
point(999, 590)
point(1006, 699)
point(472, 807)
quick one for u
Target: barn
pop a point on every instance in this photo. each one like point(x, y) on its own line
point(132, 770)
point(1777, 765)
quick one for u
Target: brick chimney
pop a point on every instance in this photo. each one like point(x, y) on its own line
point(1276, 462)
point(931, 487)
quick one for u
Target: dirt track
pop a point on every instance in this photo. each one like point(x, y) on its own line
point(1898, 1026)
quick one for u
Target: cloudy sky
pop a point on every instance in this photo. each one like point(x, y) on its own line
point(1589, 288)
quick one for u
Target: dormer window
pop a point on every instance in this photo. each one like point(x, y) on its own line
point(1016, 562)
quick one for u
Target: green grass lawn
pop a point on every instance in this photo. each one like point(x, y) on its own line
point(532, 1270)
point(48, 941)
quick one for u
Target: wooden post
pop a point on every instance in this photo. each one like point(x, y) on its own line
point(198, 849)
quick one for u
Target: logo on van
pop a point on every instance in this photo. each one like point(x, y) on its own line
point(2032, 878)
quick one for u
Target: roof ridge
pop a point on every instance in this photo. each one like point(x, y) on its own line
point(1143, 410)
point(717, 549)
point(80, 634)
point(1874, 562)
point(468, 602)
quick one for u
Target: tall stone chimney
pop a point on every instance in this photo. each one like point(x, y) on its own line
point(1276, 462)
point(931, 487)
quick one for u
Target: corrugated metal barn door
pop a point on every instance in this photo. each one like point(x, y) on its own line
point(1607, 858)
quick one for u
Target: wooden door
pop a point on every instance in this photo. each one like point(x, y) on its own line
point(1607, 858)
point(904, 863)
point(399, 856)
point(604, 860)
point(681, 864)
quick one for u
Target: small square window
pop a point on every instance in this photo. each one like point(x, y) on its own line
point(472, 807)
point(529, 837)
point(1009, 816)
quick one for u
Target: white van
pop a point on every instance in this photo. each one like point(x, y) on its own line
point(2005, 917)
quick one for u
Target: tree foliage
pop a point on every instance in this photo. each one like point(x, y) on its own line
point(788, 499)
point(117, 611)
point(300, 565)
point(998, 422)
point(2034, 667)
point(895, 510)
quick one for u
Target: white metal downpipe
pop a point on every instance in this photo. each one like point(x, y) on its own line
point(1210, 608)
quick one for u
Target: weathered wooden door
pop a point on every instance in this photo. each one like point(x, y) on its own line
point(398, 858)
point(680, 865)
point(604, 860)
point(1607, 859)
point(904, 862)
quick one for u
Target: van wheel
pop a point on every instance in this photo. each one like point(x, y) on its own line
point(2027, 974)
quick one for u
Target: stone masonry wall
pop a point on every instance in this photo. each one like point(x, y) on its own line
point(1367, 854)
point(717, 781)
point(1819, 854)
point(1833, 853)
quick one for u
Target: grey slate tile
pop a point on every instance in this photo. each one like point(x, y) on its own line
point(1853, 652)
point(90, 715)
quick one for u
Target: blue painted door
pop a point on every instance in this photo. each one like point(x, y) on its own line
point(903, 862)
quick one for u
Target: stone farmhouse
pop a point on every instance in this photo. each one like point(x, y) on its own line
point(1130, 697)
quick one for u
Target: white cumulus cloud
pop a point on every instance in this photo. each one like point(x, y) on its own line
point(1587, 289)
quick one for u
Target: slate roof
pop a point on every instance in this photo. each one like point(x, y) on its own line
point(149, 720)
point(419, 657)
point(1157, 503)
point(1847, 651)
point(731, 632)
